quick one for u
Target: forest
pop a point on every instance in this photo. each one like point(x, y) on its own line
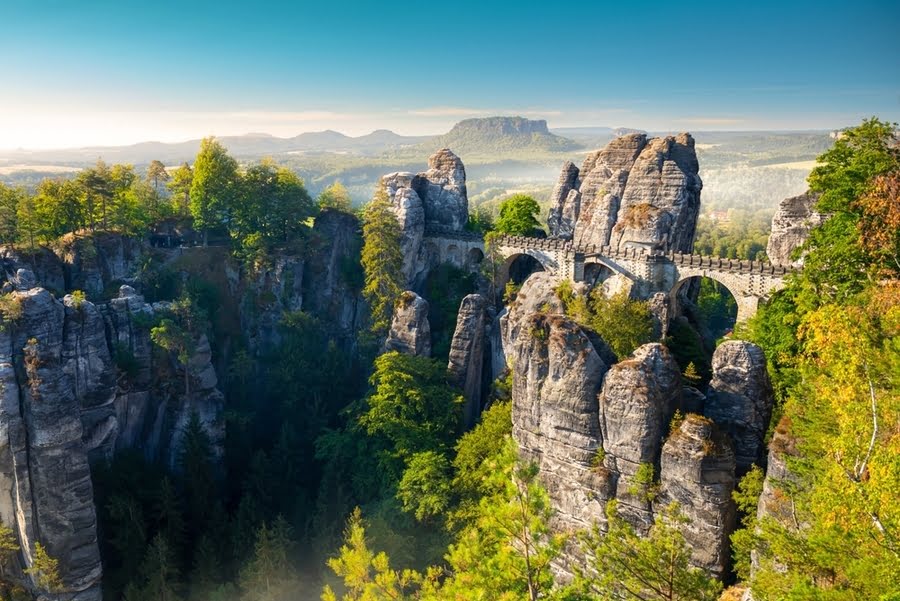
point(347, 473)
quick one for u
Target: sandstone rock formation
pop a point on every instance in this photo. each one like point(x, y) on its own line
point(410, 332)
point(740, 399)
point(466, 362)
point(791, 225)
point(436, 198)
point(632, 193)
point(46, 493)
point(697, 472)
point(639, 397)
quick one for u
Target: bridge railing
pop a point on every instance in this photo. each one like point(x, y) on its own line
point(680, 259)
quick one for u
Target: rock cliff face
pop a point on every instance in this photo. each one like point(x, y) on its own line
point(791, 225)
point(740, 399)
point(637, 402)
point(601, 429)
point(46, 495)
point(82, 380)
point(634, 192)
point(435, 198)
point(697, 472)
point(466, 362)
point(410, 332)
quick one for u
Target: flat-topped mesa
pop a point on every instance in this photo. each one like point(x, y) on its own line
point(634, 193)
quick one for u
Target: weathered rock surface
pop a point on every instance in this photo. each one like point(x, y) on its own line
point(466, 362)
point(740, 399)
point(410, 332)
point(634, 192)
point(697, 472)
point(637, 402)
point(661, 202)
point(46, 493)
point(332, 277)
point(435, 198)
point(791, 225)
point(565, 203)
point(556, 377)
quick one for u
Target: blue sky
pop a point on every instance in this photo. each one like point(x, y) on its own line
point(103, 72)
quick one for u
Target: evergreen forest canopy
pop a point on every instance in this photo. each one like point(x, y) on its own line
point(358, 461)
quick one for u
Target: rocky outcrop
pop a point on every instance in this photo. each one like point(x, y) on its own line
point(791, 225)
point(466, 363)
point(661, 202)
point(565, 203)
point(697, 472)
point(435, 198)
point(556, 377)
point(410, 332)
point(634, 192)
point(96, 262)
point(333, 276)
point(740, 399)
point(46, 493)
point(637, 402)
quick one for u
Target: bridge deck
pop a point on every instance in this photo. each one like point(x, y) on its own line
point(556, 244)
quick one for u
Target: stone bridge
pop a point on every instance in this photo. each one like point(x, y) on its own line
point(650, 271)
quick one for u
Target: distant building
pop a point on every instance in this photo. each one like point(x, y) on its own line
point(719, 216)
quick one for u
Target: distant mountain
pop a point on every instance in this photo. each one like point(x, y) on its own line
point(248, 146)
point(501, 135)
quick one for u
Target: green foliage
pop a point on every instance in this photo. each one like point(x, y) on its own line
point(690, 375)
point(44, 570)
point(623, 323)
point(743, 236)
point(411, 405)
point(643, 483)
point(269, 211)
point(831, 341)
point(335, 197)
point(518, 216)
point(78, 299)
point(744, 540)
point(10, 307)
point(687, 348)
point(214, 186)
point(425, 488)
point(381, 261)
point(718, 307)
point(480, 221)
point(366, 575)
point(9, 547)
point(632, 567)
point(473, 462)
point(270, 575)
point(445, 287)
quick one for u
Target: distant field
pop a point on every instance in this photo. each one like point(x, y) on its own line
point(10, 169)
point(805, 165)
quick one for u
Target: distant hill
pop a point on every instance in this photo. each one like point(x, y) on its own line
point(502, 135)
point(248, 146)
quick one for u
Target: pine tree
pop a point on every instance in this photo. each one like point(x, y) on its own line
point(44, 570)
point(382, 261)
point(270, 574)
point(214, 186)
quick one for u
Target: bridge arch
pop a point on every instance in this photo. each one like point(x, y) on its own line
point(746, 302)
point(517, 266)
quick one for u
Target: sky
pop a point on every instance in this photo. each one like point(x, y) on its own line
point(98, 72)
